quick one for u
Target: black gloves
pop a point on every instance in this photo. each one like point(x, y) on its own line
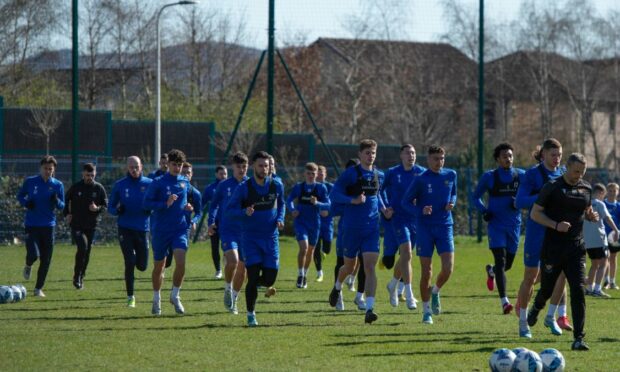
point(30, 204)
point(487, 216)
point(120, 209)
point(54, 198)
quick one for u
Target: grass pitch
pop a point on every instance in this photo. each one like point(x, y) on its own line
point(92, 329)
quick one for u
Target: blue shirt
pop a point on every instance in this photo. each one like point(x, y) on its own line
point(195, 199)
point(207, 195)
point(363, 215)
point(502, 208)
point(129, 192)
point(164, 218)
point(531, 184)
point(397, 181)
point(308, 213)
point(614, 211)
point(40, 192)
point(434, 189)
point(325, 221)
point(227, 224)
point(261, 224)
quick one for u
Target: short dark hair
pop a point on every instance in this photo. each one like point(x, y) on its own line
point(599, 187)
point(576, 157)
point(352, 162)
point(550, 143)
point(219, 168)
point(312, 166)
point(48, 159)
point(240, 158)
point(407, 146)
point(261, 155)
point(164, 156)
point(89, 167)
point(367, 143)
point(176, 156)
point(501, 147)
point(433, 149)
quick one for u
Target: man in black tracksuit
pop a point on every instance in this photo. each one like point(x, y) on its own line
point(84, 202)
point(562, 206)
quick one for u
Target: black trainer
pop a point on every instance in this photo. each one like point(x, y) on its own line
point(532, 316)
point(580, 344)
point(77, 282)
point(333, 297)
point(300, 281)
point(370, 316)
point(304, 282)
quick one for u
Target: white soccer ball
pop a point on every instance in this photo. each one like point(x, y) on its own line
point(612, 238)
point(17, 293)
point(502, 360)
point(6, 294)
point(552, 360)
point(519, 350)
point(528, 361)
point(23, 290)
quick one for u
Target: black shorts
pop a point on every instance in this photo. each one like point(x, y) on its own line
point(614, 248)
point(598, 253)
point(555, 251)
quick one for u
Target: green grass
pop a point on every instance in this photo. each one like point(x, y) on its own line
point(92, 328)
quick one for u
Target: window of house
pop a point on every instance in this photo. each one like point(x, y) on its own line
point(490, 121)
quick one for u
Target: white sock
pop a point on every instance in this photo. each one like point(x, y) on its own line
point(597, 287)
point(408, 291)
point(300, 271)
point(551, 311)
point(436, 289)
point(427, 307)
point(156, 296)
point(505, 301)
point(130, 297)
point(320, 272)
point(607, 279)
point(305, 272)
point(401, 287)
point(562, 310)
point(359, 295)
point(370, 303)
point(338, 285)
point(251, 313)
point(175, 292)
point(523, 315)
point(612, 280)
point(393, 282)
point(228, 286)
point(235, 294)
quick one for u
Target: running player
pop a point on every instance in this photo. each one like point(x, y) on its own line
point(611, 202)
point(163, 167)
point(402, 224)
point(221, 173)
point(229, 230)
point(503, 217)
point(596, 243)
point(259, 203)
point(561, 208)
point(326, 233)
point(133, 222)
point(40, 195)
point(194, 198)
point(308, 202)
point(432, 196)
point(359, 189)
point(167, 197)
point(84, 202)
point(548, 168)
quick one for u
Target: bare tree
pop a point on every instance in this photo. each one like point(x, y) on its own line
point(43, 123)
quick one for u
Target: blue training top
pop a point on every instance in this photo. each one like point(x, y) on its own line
point(129, 192)
point(397, 181)
point(434, 189)
point(40, 193)
point(299, 200)
point(327, 221)
point(164, 218)
point(614, 211)
point(207, 195)
point(351, 183)
point(227, 224)
point(269, 208)
point(195, 199)
point(502, 185)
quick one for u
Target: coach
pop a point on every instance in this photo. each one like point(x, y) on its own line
point(561, 207)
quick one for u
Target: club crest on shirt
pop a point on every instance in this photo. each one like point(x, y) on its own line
point(228, 191)
point(36, 190)
point(430, 188)
point(398, 176)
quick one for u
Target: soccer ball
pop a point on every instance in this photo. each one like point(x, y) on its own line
point(552, 360)
point(17, 293)
point(23, 290)
point(501, 360)
point(519, 350)
point(528, 361)
point(6, 295)
point(612, 238)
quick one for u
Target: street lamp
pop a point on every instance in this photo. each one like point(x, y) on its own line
point(157, 154)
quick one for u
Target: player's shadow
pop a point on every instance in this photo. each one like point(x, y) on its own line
point(608, 339)
point(394, 334)
point(437, 352)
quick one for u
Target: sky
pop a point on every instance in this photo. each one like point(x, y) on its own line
point(326, 18)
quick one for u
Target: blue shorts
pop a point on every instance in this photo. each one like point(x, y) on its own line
point(390, 244)
point(534, 236)
point(305, 232)
point(327, 229)
point(166, 242)
point(232, 242)
point(404, 231)
point(358, 241)
point(340, 240)
point(430, 237)
point(263, 251)
point(504, 237)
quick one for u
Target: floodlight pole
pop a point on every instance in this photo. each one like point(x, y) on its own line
point(480, 106)
point(270, 75)
point(157, 152)
point(75, 103)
